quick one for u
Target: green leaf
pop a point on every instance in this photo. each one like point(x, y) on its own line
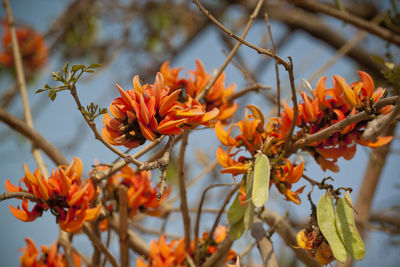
point(90, 71)
point(236, 211)
point(94, 65)
point(236, 230)
point(261, 180)
point(249, 210)
point(39, 91)
point(326, 223)
point(346, 228)
point(75, 68)
point(65, 68)
point(52, 94)
point(378, 59)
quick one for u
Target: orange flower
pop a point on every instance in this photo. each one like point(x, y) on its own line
point(141, 196)
point(32, 46)
point(163, 254)
point(63, 193)
point(49, 256)
point(316, 246)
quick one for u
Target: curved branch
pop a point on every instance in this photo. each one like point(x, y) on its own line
point(347, 17)
point(37, 140)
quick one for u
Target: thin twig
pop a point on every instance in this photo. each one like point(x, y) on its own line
point(19, 69)
point(182, 188)
point(64, 240)
point(220, 254)
point(199, 212)
point(233, 51)
point(377, 30)
point(222, 209)
point(253, 87)
point(260, 50)
point(278, 82)
point(97, 243)
point(288, 139)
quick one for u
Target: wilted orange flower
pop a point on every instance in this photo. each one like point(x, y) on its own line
point(316, 246)
point(49, 257)
point(141, 196)
point(32, 46)
point(69, 199)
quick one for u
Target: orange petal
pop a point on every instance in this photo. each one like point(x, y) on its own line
point(137, 87)
point(140, 263)
point(212, 114)
point(125, 96)
point(320, 90)
point(168, 102)
point(167, 125)
point(92, 214)
point(10, 187)
point(257, 113)
point(147, 132)
point(223, 135)
point(368, 83)
point(382, 140)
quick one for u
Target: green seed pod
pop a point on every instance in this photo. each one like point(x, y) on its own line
point(326, 223)
point(346, 228)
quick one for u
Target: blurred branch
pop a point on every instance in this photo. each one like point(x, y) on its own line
point(288, 234)
point(19, 69)
point(264, 245)
point(343, 15)
point(182, 188)
point(35, 138)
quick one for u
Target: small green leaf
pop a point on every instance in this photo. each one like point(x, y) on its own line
point(90, 71)
point(39, 91)
point(75, 68)
point(261, 180)
point(346, 228)
point(65, 68)
point(236, 230)
point(52, 94)
point(378, 59)
point(94, 65)
point(326, 223)
point(249, 210)
point(236, 211)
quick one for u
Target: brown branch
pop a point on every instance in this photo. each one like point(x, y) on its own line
point(64, 240)
point(22, 84)
point(278, 82)
point(182, 188)
point(123, 226)
point(98, 244)
point(288, 234)
point(383, 33)
point(21, 195)
point(288, 139)
point(325, 133)
point(254, 87)
point(222, 209)
point(260, 50)
point(233, 51)
point(264, 245)
point(199, 212)
point(218, 257)
point(35, 138)
point(136, 243)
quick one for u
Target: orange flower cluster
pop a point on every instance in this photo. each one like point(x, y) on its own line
point(255, 137)
point(49, 257)
point(149, 111)
point(69, 198)
point(141, 196)
point(316, 246)
point(329, 106)
point(32, 46)
point(195, 85)
point(173, 254)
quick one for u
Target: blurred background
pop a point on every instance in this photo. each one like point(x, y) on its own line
point(135, 37)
